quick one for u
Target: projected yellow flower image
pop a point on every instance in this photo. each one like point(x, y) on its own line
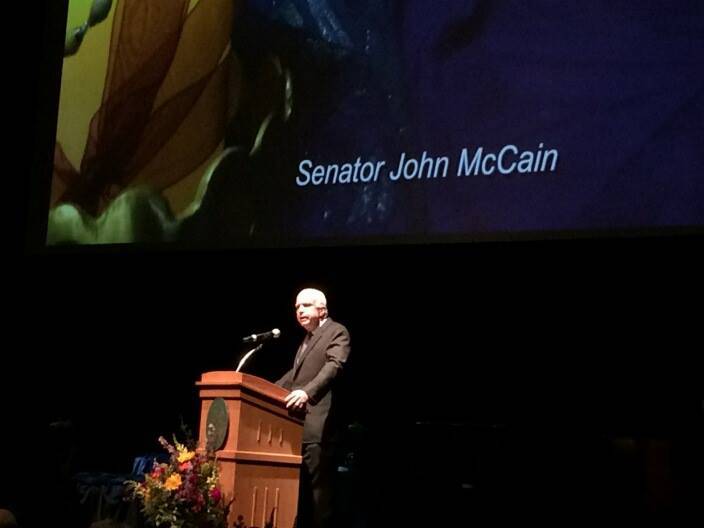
point(147, 90)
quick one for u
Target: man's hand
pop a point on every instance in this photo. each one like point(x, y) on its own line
point(296, 399)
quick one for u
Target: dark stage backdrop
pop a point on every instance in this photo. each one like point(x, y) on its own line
point(523, 371)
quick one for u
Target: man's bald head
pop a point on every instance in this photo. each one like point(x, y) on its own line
point(311, 308)
point(316, 296)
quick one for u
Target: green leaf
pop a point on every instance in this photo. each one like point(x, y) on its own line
point(99, 11)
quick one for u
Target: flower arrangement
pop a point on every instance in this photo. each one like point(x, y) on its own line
point(183, 493)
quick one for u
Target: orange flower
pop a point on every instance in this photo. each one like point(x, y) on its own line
point(173, 482)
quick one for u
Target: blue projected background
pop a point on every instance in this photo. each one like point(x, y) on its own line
point(536, 118)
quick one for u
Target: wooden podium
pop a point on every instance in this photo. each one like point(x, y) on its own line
point(260, 454)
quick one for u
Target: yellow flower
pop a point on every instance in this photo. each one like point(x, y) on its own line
point(173, 482)
point(185, 456)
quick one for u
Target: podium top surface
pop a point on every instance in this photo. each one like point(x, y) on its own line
point(230, 378)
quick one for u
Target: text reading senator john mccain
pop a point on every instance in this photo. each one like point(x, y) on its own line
point(507, 160)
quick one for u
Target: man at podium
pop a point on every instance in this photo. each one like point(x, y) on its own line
point(319, 361)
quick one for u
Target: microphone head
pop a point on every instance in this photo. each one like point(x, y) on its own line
point(275, 333)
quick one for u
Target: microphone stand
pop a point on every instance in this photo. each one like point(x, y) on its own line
point(246, 356)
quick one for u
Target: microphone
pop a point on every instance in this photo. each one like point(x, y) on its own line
point(274, 334)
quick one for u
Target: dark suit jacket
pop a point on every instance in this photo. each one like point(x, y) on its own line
point(321, 362)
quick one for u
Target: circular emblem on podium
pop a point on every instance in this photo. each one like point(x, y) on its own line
point(216, 425)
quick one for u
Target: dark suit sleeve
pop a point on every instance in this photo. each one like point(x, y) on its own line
point(335, 357)
point(286, 380)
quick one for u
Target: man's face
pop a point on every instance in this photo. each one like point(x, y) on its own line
point(307, 313)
